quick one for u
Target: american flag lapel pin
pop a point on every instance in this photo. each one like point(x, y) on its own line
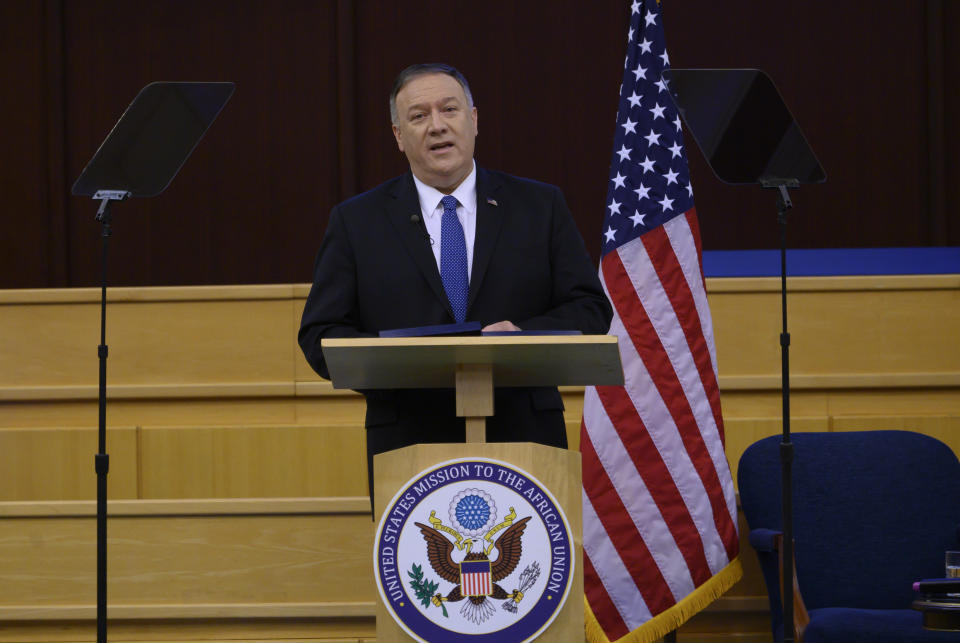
point(492, 202)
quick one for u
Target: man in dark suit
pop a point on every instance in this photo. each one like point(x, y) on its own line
point(504, 250)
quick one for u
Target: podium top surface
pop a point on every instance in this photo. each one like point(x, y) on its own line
point(431, 362)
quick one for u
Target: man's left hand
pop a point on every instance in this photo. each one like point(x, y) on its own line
point(501, 326)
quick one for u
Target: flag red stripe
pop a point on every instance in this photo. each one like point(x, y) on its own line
point(651, 351)
point(656, 476)
point(622, 532)
point(675, 284)
point(602, 607)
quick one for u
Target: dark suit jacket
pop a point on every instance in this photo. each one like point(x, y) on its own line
point(375, 271)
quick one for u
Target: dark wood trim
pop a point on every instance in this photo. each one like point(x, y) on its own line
point(58, 249)
point(936, 132)
point(346, 97)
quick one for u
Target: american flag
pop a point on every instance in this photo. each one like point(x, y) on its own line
point(659, 512)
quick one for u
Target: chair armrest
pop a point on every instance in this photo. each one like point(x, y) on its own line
point(769, 541)
point(765, 539)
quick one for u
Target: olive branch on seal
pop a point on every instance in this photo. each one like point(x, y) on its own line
point(424, 588)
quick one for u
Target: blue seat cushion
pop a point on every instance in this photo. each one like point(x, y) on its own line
point(849, 625)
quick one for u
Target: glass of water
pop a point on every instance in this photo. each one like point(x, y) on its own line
point(953, 569)
point(953, 564)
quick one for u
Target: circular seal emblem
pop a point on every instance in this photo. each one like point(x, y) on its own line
point(473, 550)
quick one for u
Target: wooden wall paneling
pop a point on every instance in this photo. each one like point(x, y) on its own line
point(56, 186)
point(945, 428)
point(153, 341)
point(177, 463)
point(308, 125)
point(951, 128)
point(841, 327)
point(751, 585)
point(28, 256)
point(243, 208)
point(204, 381)
point(186, 570)
point(303, 372)
point(49, 344)
point(935, 65)
point(317, 400)
point(840, 334)
point(746, 330)
point(230, 341)
point(57, 463)
point(253, 461)
point(856, 84)
point(258, 554)
point(742, 432)
point(267, 556)
point(937, 400)
point(305, 630)
point(840, 400)
point(764, 402)
point(346, 98)
point(337, 407)
point(166, 408)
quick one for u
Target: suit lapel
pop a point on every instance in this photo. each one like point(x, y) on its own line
point(490, 216)
point(405, 203)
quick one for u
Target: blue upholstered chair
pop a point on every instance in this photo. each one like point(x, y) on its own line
point(874, 511)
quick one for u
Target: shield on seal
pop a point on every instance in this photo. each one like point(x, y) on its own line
point(475, 578)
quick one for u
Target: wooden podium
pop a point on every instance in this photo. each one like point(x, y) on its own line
point(474, 366)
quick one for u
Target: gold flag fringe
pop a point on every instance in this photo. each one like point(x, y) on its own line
point(672, 618)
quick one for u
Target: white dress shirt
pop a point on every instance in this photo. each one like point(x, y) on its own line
point(432, 210)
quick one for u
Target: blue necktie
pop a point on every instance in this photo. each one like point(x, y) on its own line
point(453, 259)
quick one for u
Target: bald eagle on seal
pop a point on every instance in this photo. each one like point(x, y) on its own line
point(509, 549)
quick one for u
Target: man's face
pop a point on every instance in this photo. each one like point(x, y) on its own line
point(436, 129)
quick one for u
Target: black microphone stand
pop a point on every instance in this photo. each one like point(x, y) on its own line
point(101, 459)
point(786, 446)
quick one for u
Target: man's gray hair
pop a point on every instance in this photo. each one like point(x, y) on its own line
point(423, 69)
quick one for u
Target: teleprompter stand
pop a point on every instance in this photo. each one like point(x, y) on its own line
point(139, 157)
point(749, 137)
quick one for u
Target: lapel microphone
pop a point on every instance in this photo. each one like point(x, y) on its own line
point(415, 219)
